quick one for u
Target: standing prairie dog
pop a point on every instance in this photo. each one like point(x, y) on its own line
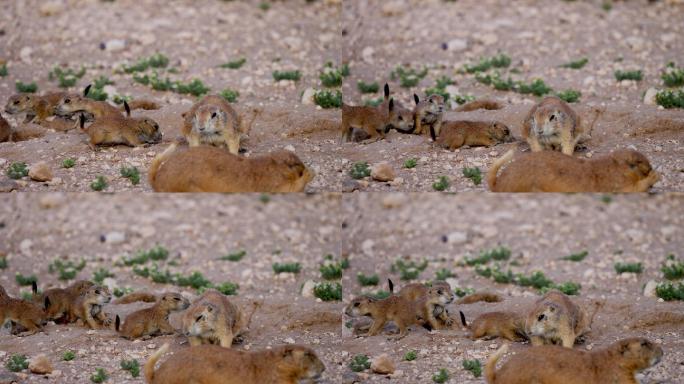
point(509, 325)
point(428, 115)
point(120, 130)
point(22, 312)
point(624, 170)
point(552, 125)
point(210, 169)
point(456, 134)
point(59, 302)
point(88, 306)
point(152, 320)
point(555, 319)
point(210, 364)
point(549, 364)
point(213, 319)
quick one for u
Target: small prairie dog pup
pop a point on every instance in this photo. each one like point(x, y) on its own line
point(210, 364)
point(212, 121)
point(154, 319)
point(614, 364)
point(552, 125)
point(213, 319)
point(5, 130)
point(428, 115)
point(555, 319)
point(210, 169)
point(373, 121)
point(437, 316)
point(92, 109)
point(395, 308)
point(509, 325)
point(88, 306)
point(120, 130)
point(37, 108)
point(624, 170)
point(456, 134)
point(22, 312)
point(60, 301)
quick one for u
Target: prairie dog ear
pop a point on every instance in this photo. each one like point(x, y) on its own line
point(416, 99)
point(86, 91)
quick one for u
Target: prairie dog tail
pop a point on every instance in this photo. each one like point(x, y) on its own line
point(255, 306)
point(149, 366)
point(117, 323)
point(136, 296)
point(147, 105)
point(490, 367)
point(246, 125)
point(157, 162)
point(494, 169)
point(463, 320)
point(390, 285)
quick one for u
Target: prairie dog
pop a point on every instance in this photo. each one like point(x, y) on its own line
point(210, 169)
point(60, 301)
point(22, 312)
point(509, 325)
point(456, 134)
point(91, 109)
point(210, 364)
point(212, 121)
point(213, 319)
point(489, 105)
point(428, 115)
point(416, 292)
point(487, 297)
point(136, 296)
point(5, 130)
point(152, 320)
point(120, 130)
point(37, 108)
point(615, 364)
point(373, 121)
point(394, 308)
point(88, 306)
point(552, 125)
point(624, 170)
point(555, 319)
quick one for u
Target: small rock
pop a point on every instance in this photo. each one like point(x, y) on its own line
point(367, 54)
point(113, 238)
point(457, 45)
point(308, 96)
point(25, 54)
point(289, 340)
point(457, 238)
point(350, 185)
point(51, 8)
point(382, 172)
point(650, 96)
point(51, 200)
point(8, 185)
point(382, 365)
point(393, 200)
point(308, 288)
point(650, 289)
point(9, 378)
point(290, 148)
point(488, 39)
point(40, 365)
point(40, 172)
point(393, 8)
point(114, 45)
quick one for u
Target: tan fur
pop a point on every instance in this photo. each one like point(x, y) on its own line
point(614, 364)
point(62, 300)
point(88, 306)
point(486, 297)
point(212, 121)
point(489, 105)
point(22, 312)
point(147, 105)
point(438, 317)
point(373, 122)
point(621, 171)
point(155, 319)
point(428, 115)
point(552, 125)
point(136, 296)
point(73, 104)
point(38, 109)
point(456, 134)
point(120, 130)
point(508, 325)
point(555, 319)
point(213, 319)
point(211, 169)
point(5, 130)
point(209, 364)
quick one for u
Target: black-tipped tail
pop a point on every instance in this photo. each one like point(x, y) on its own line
point(416, 98)
point(463, 320)
point(81, 120)
point(46, 303)
point(390, 284)
point(86, 91)
point(117, 323)
point(34, 287)
point(386, 91)
point(432, 133)
point(127, 108)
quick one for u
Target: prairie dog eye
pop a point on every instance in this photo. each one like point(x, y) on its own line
point(541, 317)
point(401, 118)
point(198, 318)
point(552, 118)
point(67, 101)
point(357, 304)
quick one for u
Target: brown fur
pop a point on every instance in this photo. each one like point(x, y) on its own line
point(22, 312)
point(373, 121)
point(213, 319)
point(508, 325)
point(552, 125)
point(555, 319)
point(212, 121)
point(438, 318)
point(486, 297)
point(62, 300)
point(147, 105)
point(456, 134)
point(120, 130)
point(38, 109)
point(5, 130)
point(136, 296)
point(614, 364)
point(621, 171)
point(88, 307)
point(427, 115)
point(209, 364)
point(153, 320)
point(211, 169)
point(92, 109)
point(489, 105)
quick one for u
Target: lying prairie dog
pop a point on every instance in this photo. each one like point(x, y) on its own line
point(88, 307)
point(508, 325)
point(456, 134)
point(152, 320)
point(489, 105)
point(438, 316)
point(39, 109)
point(120, 130)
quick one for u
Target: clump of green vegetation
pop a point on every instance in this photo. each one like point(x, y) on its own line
point(360, 363)
point(500, 253)
point(673, 76)
point(195, 87)
point(100, 376)
point(235, 256)
point(67, 270)
point(462, 99)
point(17, 170)
point(99, 184)
point(576, 257)
point(409, 270)
point(373, 102)
point(437, 91)
point(328, 291)
point(441, 184)
point(118, 292)
point(17, 363)
point(670, 98)
point(569, 288)
point(328, 98)
point(100, 274)
point(157, 253)
point(227, 288)
point(443, 274)
point(364, 280)
point(331, 271)
point(670, 291)
point(635, 75)
point(131, 366)
point(235, 64)
point(331, 76)
point(132, 174)
point(607, 6)
point(25, 280)
point(3, 70)
point(408, 77)
point(287, 75)
point(577, 64)
point(499, 61)
point(68, 355)
point(66, 77)
point(157, 60)
point(360, 170)
point(119, 99)
point(673, 269)
point(97, 90)
point(230, 95)
point(379, 295)
point(3, 262)
point(410, 355)
point(628, 268)
point(286, 268)
point(569, 95)
point(264, 6)
point(473, 174)
point(537, 87)
point(443, 81)
point(195, 280)
point(495, 81)
point(536, 280)
point(460, 292)
point(373, 87)
point(410, 163)
point(473, 366)
point(68, 163)
point(26, 87)
point(441, 376)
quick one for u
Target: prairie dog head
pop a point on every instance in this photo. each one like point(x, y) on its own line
point(80, 286)
point(360, 306)
point(545, 319)
point(210, 120)
point(71, 104)
point(292, 169)
point(201, 320)
point(499, 131)
point(442, 291)
point(19, 103)
point(432, 105)
point(148, 131)
point(399, 117)
point(300, 362)
point(97, 295)
point(635, 166)
point(638, 353)
point(174, 302)
point(550, 119)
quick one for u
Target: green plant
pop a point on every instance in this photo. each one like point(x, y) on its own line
point(437, 91)
point(673, 76)
point(441, 184)
point(500, 253)
point(364, 280)
point(131, 366)
point(499, 61)
point(195, 280)
point(100, 376)
point(328, 291)
point(118, 292)
point(409, 270)
point(635, 75)
point(195, 87)
point(331, 271)
point(576, 257)
point(360, 170)
point(328, 98)
point(360, 363)
point(410, 355)
point(410, 163)
point(373, 102)
point(442, 376)
point(66, 77)
point(235, 64)
point(17, 363)
point(408, 77)
point(264, 6)
point(373, 87)
point(577, 64)
point(17, 170)
point(536, 280)
point(443, 81)
point(227, 288)
point(537, 87)
point(473, 366)
point(67, 270)
point(3, 262)
point(628, 268)
point(100, 274)
point(473, 174)
point(287, 75)
point(460, 292)
point(380, 294)
point(68, 355)
point(230, 95)
point(669, 291)
point(569, 95)
point(331, 76)
point(25, 280)
point(235, 256)
point(672, 269)
point(68, 163)
point(157, 253)
point(569, 288)
point(26, 87)
point(443, 274)
point(99, 184)
point(286, 268)
point(157, 60)
point(670, 98)
point(132, 174)
point(3, 70)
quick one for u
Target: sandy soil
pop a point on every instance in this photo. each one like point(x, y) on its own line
point(539, 230)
